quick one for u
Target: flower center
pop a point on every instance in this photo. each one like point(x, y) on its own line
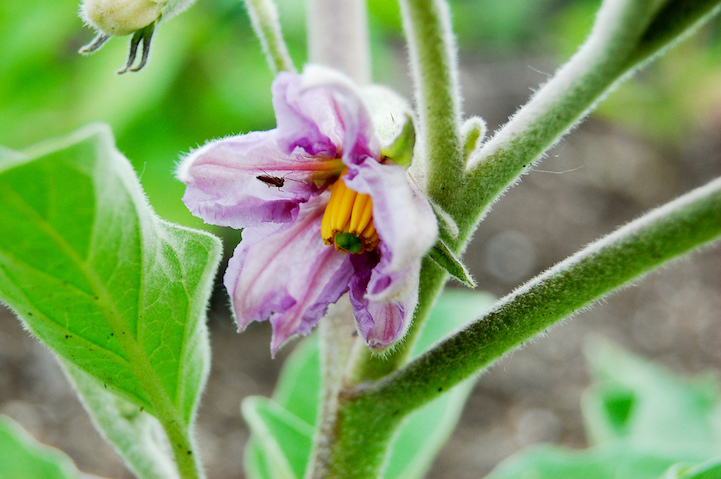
point(348, 220)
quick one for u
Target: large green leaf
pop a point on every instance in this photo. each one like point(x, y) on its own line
point(22, 457)
point(112, 289)
point(136, 435)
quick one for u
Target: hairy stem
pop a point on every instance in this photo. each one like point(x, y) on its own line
point(264, 17)
point(435, 77)
point(604, 266)
point(627, 33)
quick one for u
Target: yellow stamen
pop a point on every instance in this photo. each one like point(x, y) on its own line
point(348, 220)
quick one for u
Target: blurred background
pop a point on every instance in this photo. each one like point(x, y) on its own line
point(654, 138)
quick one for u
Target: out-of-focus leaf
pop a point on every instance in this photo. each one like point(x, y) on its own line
point(620, 460)
point(643, 422)
point(283, 438)
point(22, 457)
point(637, 400)
point(710, 469)
point(298, 394)
point(298, 388)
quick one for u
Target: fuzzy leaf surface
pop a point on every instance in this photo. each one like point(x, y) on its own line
point(101, 280)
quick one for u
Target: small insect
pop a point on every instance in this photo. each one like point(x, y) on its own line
point(269, 180)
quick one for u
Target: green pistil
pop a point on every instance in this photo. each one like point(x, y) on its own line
point(349, 242)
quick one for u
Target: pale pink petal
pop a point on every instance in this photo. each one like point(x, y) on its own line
point(289, 276)
point(380, 323)
point(247, 180)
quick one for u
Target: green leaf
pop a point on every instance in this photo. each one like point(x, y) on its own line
point(136, 435)
point(298, 392)
point(299, 384)
point(620, 460)
point(710, 469)
point(22, 457)
point(643, 422)
point(638, 400)
point(425, 431)
point(283, 438)
point(255, 461)
point(101, 280)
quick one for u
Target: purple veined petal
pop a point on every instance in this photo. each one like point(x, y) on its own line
point(402, 215)
point(359, 138)
point(289, 276)
point(247, 180)
point(381, 323)
point(387, 285)
point(306, 119)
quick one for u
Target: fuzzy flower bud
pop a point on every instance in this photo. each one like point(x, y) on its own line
point(124, 17)
point(120, 17)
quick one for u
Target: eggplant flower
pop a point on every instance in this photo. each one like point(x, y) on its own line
point(322, 210)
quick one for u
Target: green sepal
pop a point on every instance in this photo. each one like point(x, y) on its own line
point(22, 457)
point(444, 257)
point(401, 150)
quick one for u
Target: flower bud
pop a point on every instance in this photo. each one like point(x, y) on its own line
point(124, 17)
point(120, 17)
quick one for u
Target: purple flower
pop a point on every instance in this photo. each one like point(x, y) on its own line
point(323, 213)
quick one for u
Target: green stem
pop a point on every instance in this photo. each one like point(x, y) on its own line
point(435, 75)
point(264, 17)
point(625, 36)
point(603, 267)
point(371, 412)
point(435, 68)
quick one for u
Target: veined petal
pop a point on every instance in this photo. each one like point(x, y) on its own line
point(359, 139)
point(247, 180)
point(402, 215)
point(381, 323)
point(288, 276)
point(306, 118)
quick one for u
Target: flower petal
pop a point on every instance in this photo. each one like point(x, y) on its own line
point(230, 181)
point(288, 276)
point(402, 215)
point(306, 118)
point(360, 138)
point(381, 323)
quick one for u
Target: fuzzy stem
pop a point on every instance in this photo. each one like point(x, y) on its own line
point(338, 37)
point(435, 75)
point(626, 34)
point(336, 346)
point(372, 411)
point(264, 17)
